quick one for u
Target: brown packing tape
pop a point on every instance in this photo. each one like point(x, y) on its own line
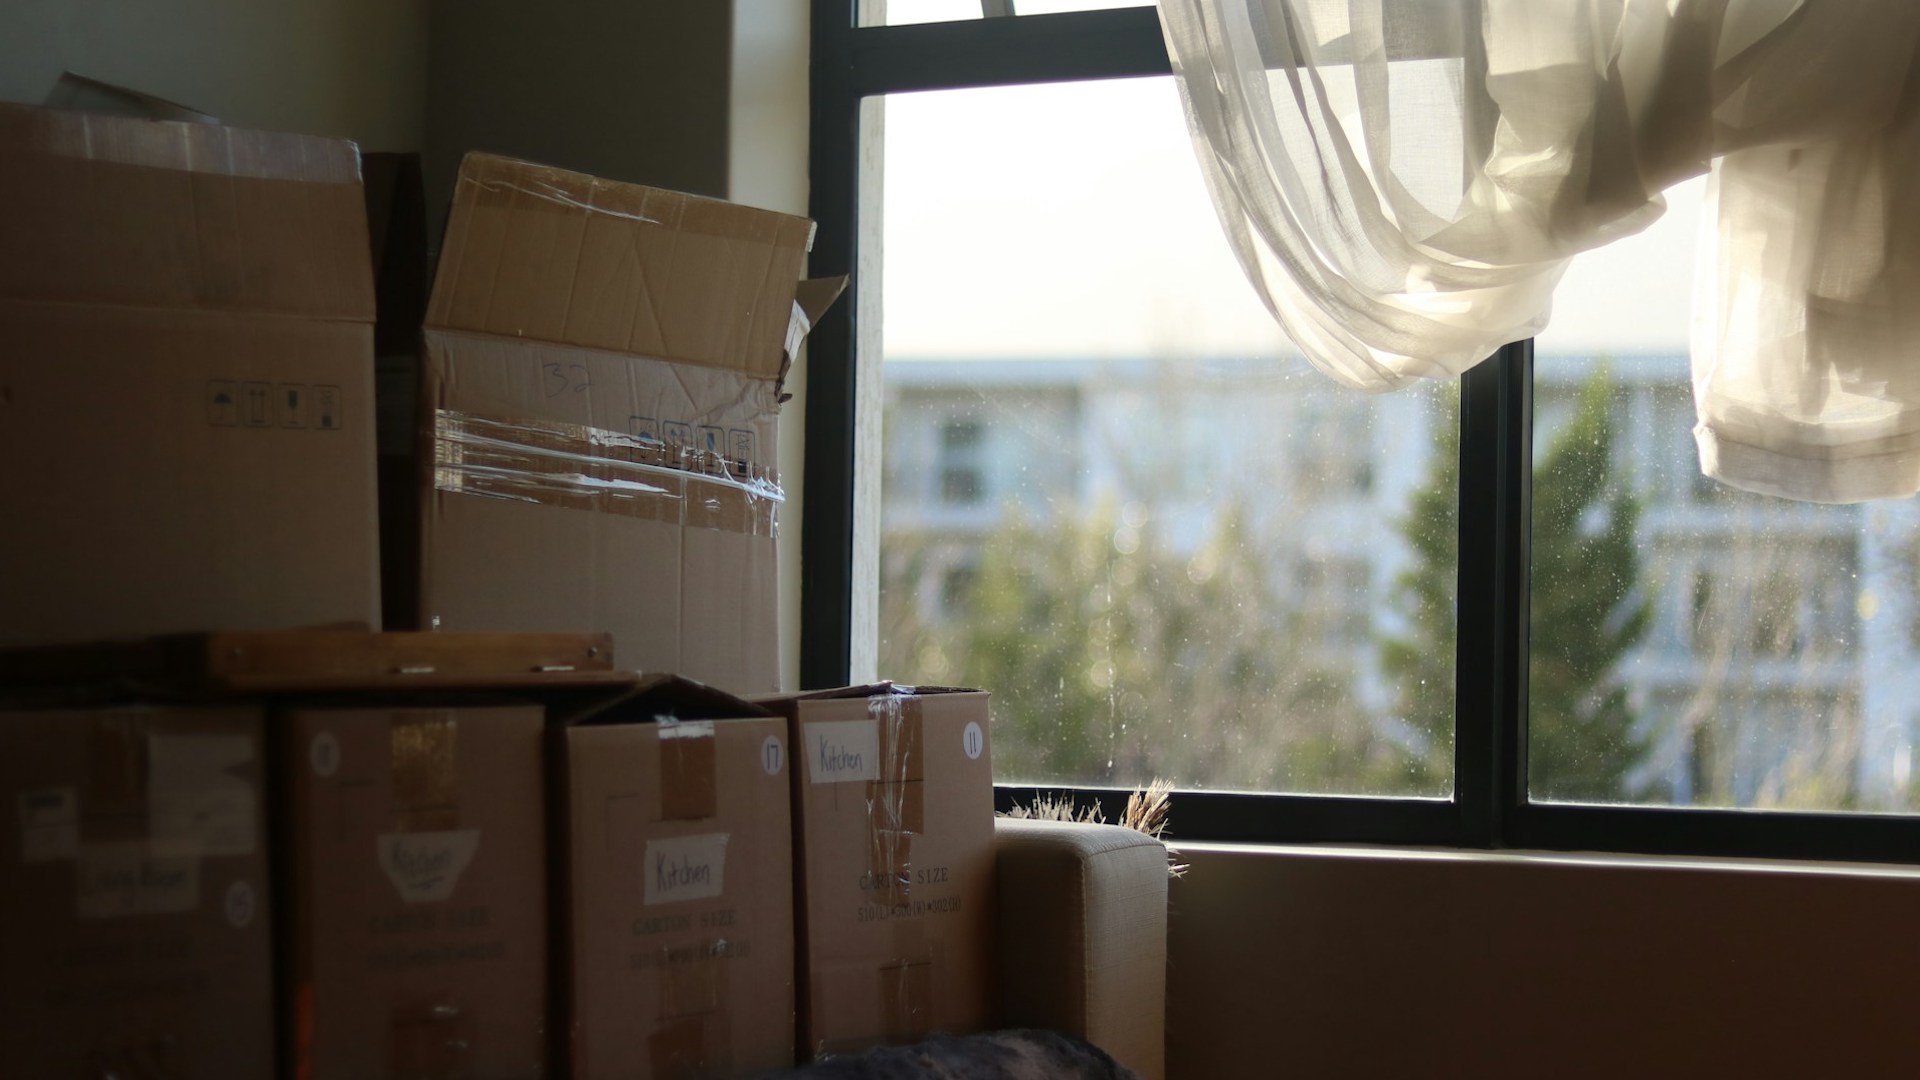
point(688, 791)
point(426, 791)
point(906, 984)
point(678, 1048)
point(431, 1041)
point(117, 765)
point(692, 1037)
point(578, 467)
point(113, 806)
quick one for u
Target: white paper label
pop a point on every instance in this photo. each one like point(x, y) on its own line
point(773, 755)
point(973, 740)
point(425, 867)
point(115, 880)
point(842, 750)
point(686, 868)
point(197, 804)
point(323, 754)
point(49, 824)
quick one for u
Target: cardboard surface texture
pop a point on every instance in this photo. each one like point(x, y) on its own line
point(893, 797)
point(415, 887)
point(137, 934)
point(678, 888)
point(186, 380)
point(602, 377)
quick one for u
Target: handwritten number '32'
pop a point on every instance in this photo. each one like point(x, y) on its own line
point(558, 379)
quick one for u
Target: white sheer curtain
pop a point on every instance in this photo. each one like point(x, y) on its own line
point(1405, 180)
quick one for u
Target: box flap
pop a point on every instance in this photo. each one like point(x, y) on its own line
point(149, 213)
point(563, 257)
point(811, 299)
point(866, 690)
point(673, 696)
point(75, 91)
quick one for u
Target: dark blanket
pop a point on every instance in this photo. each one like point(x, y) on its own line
point(998, 1055)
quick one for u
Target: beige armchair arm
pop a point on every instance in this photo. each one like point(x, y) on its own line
point(1083, 935)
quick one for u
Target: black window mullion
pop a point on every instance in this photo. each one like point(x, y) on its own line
point(827, 525)
point(1490, 670)
point(1067, 47)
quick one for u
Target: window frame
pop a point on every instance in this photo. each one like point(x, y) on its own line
point(1489, 807)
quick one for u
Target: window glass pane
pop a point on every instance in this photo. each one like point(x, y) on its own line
point(1694, 645)
point(1114, 495)
point(902, 12)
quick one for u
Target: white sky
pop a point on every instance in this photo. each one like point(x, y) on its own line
point(1071, 221)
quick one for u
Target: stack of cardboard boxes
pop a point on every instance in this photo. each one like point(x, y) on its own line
point(405, 858)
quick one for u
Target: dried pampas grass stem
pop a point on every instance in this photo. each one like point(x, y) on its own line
point(1146, 812)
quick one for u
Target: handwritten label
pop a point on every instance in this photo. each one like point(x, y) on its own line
point(839, 751)
point(49, 824)
point(115, 880)
point(686, 868)
point(973, 740)
point(773, 755)
point(425, 867)
point(557, 379)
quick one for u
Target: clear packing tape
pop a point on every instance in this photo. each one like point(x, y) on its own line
point(575, 466)
point(895, 815)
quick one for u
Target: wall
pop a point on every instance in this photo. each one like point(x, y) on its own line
point(767, 167)
point(352, 68)
point(630, 91)
point(1349, 962)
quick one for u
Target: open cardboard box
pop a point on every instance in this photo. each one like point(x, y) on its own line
point(602, 375)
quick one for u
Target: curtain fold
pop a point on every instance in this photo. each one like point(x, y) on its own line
point(1405, 181)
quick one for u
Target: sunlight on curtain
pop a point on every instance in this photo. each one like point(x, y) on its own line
point(1404, 182)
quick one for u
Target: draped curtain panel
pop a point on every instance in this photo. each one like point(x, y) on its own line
point(1405, 181)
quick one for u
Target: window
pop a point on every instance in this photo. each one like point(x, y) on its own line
point(1056, 459)
point(962, 480)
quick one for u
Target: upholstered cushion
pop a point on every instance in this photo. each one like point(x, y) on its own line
point(1083, 935)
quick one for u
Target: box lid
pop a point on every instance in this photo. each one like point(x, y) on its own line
point(879, 689)
point(674, 697)
point(556, 256)
point(99, 209)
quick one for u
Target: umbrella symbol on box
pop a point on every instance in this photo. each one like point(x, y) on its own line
point(222, 403)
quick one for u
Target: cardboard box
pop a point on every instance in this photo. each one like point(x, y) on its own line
point(678, 887)
point(186, 382)
point(893, 804)
point(415, 890)
point(136, 938)
point(602, 375)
